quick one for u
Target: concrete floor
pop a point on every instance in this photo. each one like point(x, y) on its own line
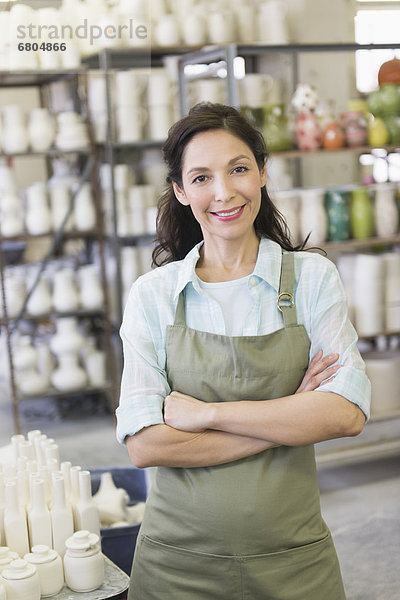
point(360, 502)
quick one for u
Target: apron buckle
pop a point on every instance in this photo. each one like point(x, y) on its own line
point(289, 296)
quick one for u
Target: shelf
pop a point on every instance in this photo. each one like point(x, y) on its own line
point(255, 49)
point(139, 145)
point(53, 393)
point(67, 235)
point(355, 244)
point(80, 314)
point(322, 151)
point(48, 153)
point(131, 240)
point(127, 58)
point(37, 77)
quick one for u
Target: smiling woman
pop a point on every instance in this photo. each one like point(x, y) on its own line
point(231, 374)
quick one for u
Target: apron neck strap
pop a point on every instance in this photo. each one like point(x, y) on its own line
point(180, 314)
point(285, 299)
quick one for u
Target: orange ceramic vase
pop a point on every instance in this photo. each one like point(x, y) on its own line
point(333, 136)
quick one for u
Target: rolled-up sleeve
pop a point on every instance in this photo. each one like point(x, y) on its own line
point(332, 332)
point(144, 383)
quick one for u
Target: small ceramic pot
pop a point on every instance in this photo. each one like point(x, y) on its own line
point(49, 567)
point(6, 557)
point(83, 562)
point(21, 581)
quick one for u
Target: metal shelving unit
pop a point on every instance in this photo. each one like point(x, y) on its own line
point(88, 168)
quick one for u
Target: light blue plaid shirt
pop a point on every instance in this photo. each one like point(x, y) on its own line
point(320, 304)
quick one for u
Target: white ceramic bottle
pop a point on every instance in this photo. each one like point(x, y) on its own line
point(66, 473)
point(49, 567)
point(39, 517)
point(21, 581)
point(6, 557)
point(2, 592)
point(83, 562)
point(74, 493)
point(15, 526)
point(62, 520)
point(86, 509)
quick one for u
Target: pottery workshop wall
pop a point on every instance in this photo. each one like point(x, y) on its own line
point(332, 74)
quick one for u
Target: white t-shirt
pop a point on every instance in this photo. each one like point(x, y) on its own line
point(235, 300)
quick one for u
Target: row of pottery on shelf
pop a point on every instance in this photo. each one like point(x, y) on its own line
point(42, 216)
point(372, 284)
point(71, 291)
point(143, 104)
point(338, 215)
point(78, 363)
point(66, 132)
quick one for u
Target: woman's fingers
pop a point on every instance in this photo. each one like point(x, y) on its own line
point(318, 371)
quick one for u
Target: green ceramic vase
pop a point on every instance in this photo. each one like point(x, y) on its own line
point(338, 212)
point(361, 214)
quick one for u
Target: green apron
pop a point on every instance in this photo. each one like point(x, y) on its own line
point(250, 529)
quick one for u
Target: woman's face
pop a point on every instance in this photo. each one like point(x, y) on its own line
point(221, 182)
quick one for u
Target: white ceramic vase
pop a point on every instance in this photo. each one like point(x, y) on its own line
point(38, 216)
point(313, 217)
point(65, 291)
point(40, 301)
point(14, 137)
point(15, 525)
point(95, 363)
point(69, 376)
point(111, 501)
point(83, 562)
point(84, 209)
point(39, 521)
point(90, 290)
point(61, 515)
point(41, 129)
point(21, 581)
point(49, 566)
point(86, 509)
point(11, 220)
point(386, 211)
point(68, 338)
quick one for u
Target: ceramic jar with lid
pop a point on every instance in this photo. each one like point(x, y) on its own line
point(49, 567)
point(6, 557)
point(21, 581)
point(83, 562)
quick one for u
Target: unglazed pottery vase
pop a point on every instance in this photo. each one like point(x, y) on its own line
point(62, 520)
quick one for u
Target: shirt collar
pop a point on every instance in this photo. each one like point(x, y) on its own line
point(268, 266)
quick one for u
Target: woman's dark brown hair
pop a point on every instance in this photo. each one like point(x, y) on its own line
point(177, 229)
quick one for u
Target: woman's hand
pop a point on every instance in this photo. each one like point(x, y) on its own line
point(186, 413)
point(318, 370)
